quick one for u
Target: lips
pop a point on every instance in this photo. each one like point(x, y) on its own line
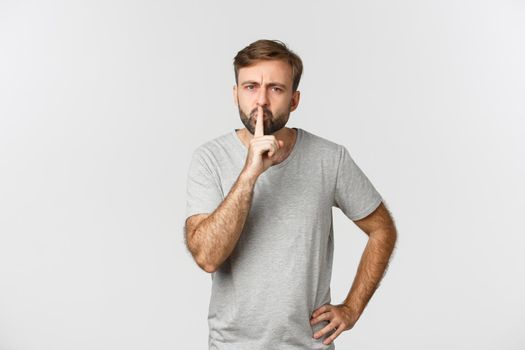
point(266, 113)
point(265, 117)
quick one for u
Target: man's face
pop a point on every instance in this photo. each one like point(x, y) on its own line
point(267, 84)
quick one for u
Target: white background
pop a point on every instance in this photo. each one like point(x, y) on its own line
point(102, 103)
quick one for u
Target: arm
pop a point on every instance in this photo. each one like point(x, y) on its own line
point(211, 238)
point(381, 230)
point(382, 233)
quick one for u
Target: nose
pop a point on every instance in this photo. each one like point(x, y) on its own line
point(262, 98)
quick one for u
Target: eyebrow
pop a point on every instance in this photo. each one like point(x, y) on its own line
point(269, 84)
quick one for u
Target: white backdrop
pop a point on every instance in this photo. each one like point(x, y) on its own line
point(102, 103)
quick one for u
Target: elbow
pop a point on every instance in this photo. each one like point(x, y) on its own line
point(200, 258)
point(206, 265)
point(209, 268)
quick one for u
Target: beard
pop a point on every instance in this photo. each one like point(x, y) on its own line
point(271, 124)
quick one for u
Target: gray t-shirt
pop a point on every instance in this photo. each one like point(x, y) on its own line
point(279, 272)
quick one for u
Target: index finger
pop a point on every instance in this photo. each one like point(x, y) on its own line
point(259, 124)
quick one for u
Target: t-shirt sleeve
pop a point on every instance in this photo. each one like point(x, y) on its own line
point(203, 191)
point(354, 193)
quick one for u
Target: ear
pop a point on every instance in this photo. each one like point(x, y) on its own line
point(235, 94)
point(295, 100)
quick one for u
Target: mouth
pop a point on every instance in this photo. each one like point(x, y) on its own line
point(266, 114)
point(265, 119)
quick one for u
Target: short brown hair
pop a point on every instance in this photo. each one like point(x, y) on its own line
point(268, 50)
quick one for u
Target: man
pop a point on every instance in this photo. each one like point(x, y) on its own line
point(259, 217)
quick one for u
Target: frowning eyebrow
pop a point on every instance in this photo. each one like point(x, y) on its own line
point(270, 84)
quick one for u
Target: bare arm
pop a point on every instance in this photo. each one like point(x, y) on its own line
point(215, 235)
point(382, 233)
point(211, 238)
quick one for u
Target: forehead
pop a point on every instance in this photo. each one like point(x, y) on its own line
point(267, 70)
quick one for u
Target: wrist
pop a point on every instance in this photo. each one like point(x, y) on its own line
point(247, 178)
point(350, 308)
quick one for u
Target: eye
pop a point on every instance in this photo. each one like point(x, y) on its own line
point(277, 89)
point(249, 87)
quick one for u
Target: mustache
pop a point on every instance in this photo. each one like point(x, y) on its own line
point(266, 113)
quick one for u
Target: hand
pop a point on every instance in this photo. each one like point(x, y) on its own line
point(262, 149)
point(341, 318)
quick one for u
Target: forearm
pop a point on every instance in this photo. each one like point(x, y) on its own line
point(216, 236)
point(371, 269)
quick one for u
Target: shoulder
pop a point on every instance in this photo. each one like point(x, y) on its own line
point(323, 153)
point(322, 146)
point(214, 148)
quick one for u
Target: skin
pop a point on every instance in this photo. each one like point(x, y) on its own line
point(382, 236)
point(265, 99)
point(211, 237)
point(267, 84)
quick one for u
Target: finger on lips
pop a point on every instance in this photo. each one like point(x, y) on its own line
point(259, 125)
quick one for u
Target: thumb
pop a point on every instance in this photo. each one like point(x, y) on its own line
point(281, 143)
